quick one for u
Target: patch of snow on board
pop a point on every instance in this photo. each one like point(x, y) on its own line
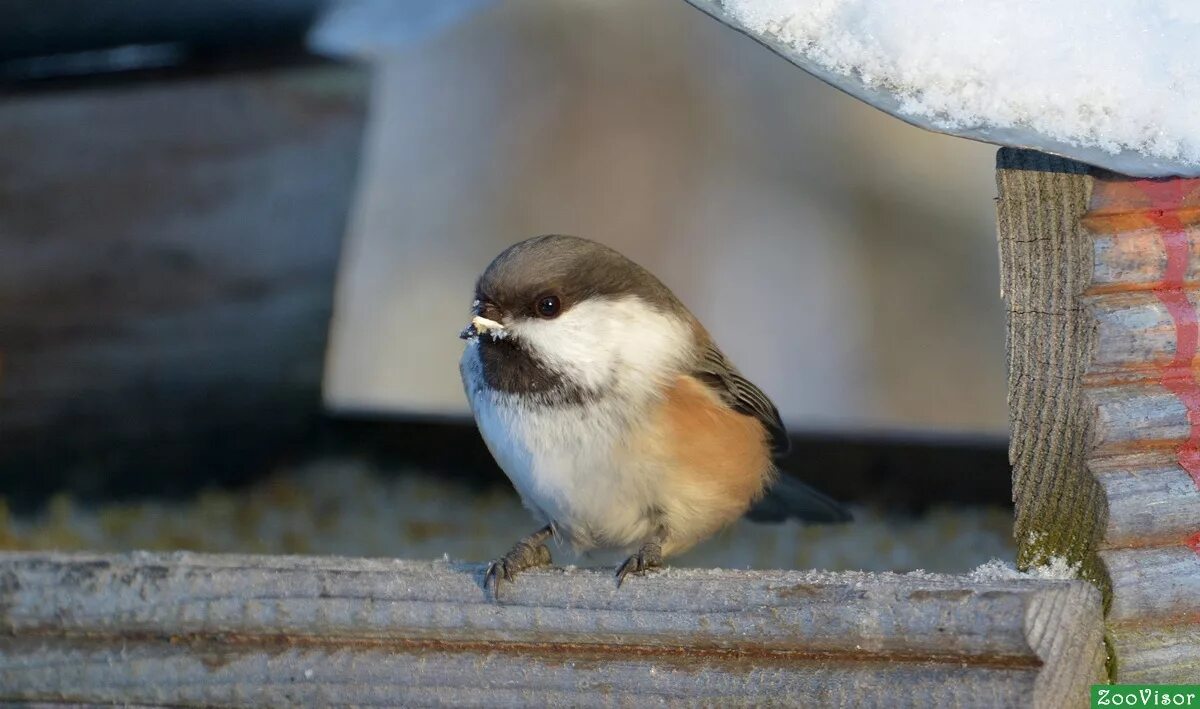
point(996, 570)
point(1118, 75)
point(1055, 569)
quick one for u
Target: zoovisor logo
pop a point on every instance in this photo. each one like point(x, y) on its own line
point(1146, 695)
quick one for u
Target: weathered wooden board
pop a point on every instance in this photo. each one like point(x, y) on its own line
point(236, 630)
point(1148, 654)
point(1153, 582)
point(167, 260)
point(1100, 279)
point(1151, 499)
point(1043, 273)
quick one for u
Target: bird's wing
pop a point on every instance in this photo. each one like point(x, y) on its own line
point(741, 395)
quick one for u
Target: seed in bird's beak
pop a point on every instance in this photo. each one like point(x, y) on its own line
point(480, 325)
point(483, 324)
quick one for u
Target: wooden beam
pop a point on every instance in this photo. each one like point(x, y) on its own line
point(1043, 267)
point(191, 629)
point(1099, 275)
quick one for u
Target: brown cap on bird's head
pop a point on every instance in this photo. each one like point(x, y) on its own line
point(527, 278)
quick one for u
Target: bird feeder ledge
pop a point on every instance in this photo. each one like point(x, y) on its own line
point(209, 630)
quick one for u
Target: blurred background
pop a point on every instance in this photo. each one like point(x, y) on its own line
point(238, 239)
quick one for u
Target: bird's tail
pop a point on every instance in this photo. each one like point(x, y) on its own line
point(788, 498)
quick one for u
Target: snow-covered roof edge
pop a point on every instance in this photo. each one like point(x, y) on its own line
point(1128, 162)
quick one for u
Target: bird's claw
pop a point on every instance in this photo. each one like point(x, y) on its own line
point(648, 557)
point(523, 556)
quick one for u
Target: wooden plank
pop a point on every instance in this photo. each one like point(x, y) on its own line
point(1135, 331)
point(1152, 501)
point(1141, 414)
point(1153, 618)
point(1158, 584)
point(168, 274)
point(1132, 259)
point(1158, 655)
point(1045, 266)
point(1101, 281)
point(196, 629)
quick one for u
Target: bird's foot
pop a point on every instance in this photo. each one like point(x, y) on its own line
point(648, 557)
point(529, 553)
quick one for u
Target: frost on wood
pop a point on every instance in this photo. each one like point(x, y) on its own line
point(194, 629)
point(1056, 568)
point(1114, 84)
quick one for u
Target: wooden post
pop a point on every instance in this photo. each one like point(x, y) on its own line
point(192, 629)
point(1099, 275)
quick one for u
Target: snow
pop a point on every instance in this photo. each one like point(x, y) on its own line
point(996, 570)
point(1055, 569)
point(1113, 77)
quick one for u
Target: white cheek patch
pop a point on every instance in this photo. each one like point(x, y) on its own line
point(605, 342)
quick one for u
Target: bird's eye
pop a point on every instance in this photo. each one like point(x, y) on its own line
point(548, 306)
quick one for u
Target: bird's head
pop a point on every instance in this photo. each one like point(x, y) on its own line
point(565, 314)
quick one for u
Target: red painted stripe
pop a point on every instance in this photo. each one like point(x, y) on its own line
point(1165, 198)
point(1178, 377)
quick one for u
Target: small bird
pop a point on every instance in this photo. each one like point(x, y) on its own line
point(614, 414)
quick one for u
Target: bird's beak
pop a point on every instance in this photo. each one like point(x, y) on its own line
point(481, 324)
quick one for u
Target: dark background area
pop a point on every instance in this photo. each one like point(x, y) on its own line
point(49, 30)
